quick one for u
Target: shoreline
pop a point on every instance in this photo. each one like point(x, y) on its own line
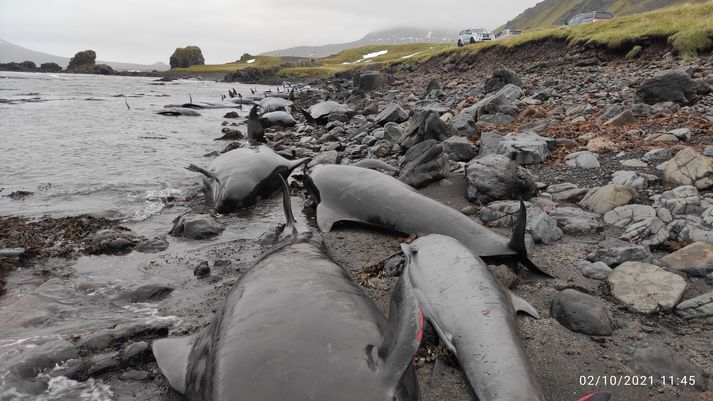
point(578, 85)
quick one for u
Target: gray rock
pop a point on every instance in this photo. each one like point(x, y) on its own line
point(614, 252)
point(584, 159)
point(674, 86)
point(494, 177)
point(642, 110)
point(148, 293)
point(576, 221)
point(540, 225)
point(103, 363)
point(392, 132)
point(135, 353)
point(512, 92)
point(624, 118)
point(633, 179)
point(489, 143)
point(525, 148)
point(708, 151)
point(641, 224)
point(689, 229)
point(681, 200)
point(501, 78)
point(462, 124)
point(393, 113)
point(613, 110)
point(368, 81)
point(424, 125)
point(566, 192)
point(581, 313)
point(495, 119)
point(595, 271)
point(683, 134)
point(424, 163)
point(494, 104)
point(460, 149)
point(136, 375)
point(329, 157)
point(659, 154)
point(656, 359)
point(158, 244)
point(699, 309)
point(202, 269)
point(646, 288)
point(197, 227)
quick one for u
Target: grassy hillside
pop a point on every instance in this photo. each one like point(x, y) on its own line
point(688, 29)
point(342, 61)
point(549, 13)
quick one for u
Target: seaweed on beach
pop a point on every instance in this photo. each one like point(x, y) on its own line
point(49, 236)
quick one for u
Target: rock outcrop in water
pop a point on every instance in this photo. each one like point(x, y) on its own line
point(187, 56)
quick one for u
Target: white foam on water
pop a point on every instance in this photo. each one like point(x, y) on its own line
point(61, 388)
point(150, 311)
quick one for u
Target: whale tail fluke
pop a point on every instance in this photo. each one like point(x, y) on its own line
point(517, 241)
point(172, 357)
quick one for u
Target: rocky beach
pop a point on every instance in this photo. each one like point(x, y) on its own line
point(612, 153)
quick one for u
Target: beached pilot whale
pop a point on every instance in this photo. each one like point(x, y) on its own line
point(296, 327)
point(241, 177)
point(474, 317)
point(349, 193)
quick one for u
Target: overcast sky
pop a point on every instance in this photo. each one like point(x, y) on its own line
point(146, 31)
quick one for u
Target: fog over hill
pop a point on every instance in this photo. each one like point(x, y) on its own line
point(388, 37)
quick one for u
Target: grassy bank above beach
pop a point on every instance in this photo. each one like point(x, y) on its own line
point(687, 29)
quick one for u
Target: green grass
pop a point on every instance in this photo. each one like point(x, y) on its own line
point(688, 28)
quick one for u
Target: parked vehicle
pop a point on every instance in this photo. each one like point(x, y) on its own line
point(474, 36)
point(588, 18)
point(505, 33)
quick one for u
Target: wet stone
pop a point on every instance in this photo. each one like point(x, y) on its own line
point(595, 271)
point(614, 252)
point(202, 269)
point(136, 375)
point(581, 313)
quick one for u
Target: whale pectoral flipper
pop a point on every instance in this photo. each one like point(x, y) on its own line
point(403, 333)
point(326, 217)
point(197, 169)
point(172, 357)
point(520, 305)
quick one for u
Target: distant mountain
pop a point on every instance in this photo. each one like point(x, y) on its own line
point(10, 52)
point(387, 37)
point(555, 12)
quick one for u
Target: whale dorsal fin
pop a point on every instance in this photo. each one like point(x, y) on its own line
point(172, 357)
point(403, 332)
point(520, 305)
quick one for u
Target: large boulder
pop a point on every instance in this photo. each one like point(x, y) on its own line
point(581, 313)
point(689, 167)
point(691, 256)
point(393, 113)
point(424, 163)
point(575, 221)
point(501, 78)
point(493, 104)
point(525, 148)
point(187, 56)
point(462, 124)
point(424, 125)
point(460, 149)
point(646, 288)
point(674, 86)
point(606, 198)
point(50, 67)
point(641, 223)
point(83, 62)
point(368, 81)
point(495, 177)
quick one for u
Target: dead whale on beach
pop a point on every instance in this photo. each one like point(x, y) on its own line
point(297, 327)
point(348, 193)
point(320, 112)
point(474, 317)
point(241, 177)
point(178, 111)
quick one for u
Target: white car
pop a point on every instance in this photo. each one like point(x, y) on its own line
point(474, 36)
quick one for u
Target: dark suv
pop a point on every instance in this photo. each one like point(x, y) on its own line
point(588, 18)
